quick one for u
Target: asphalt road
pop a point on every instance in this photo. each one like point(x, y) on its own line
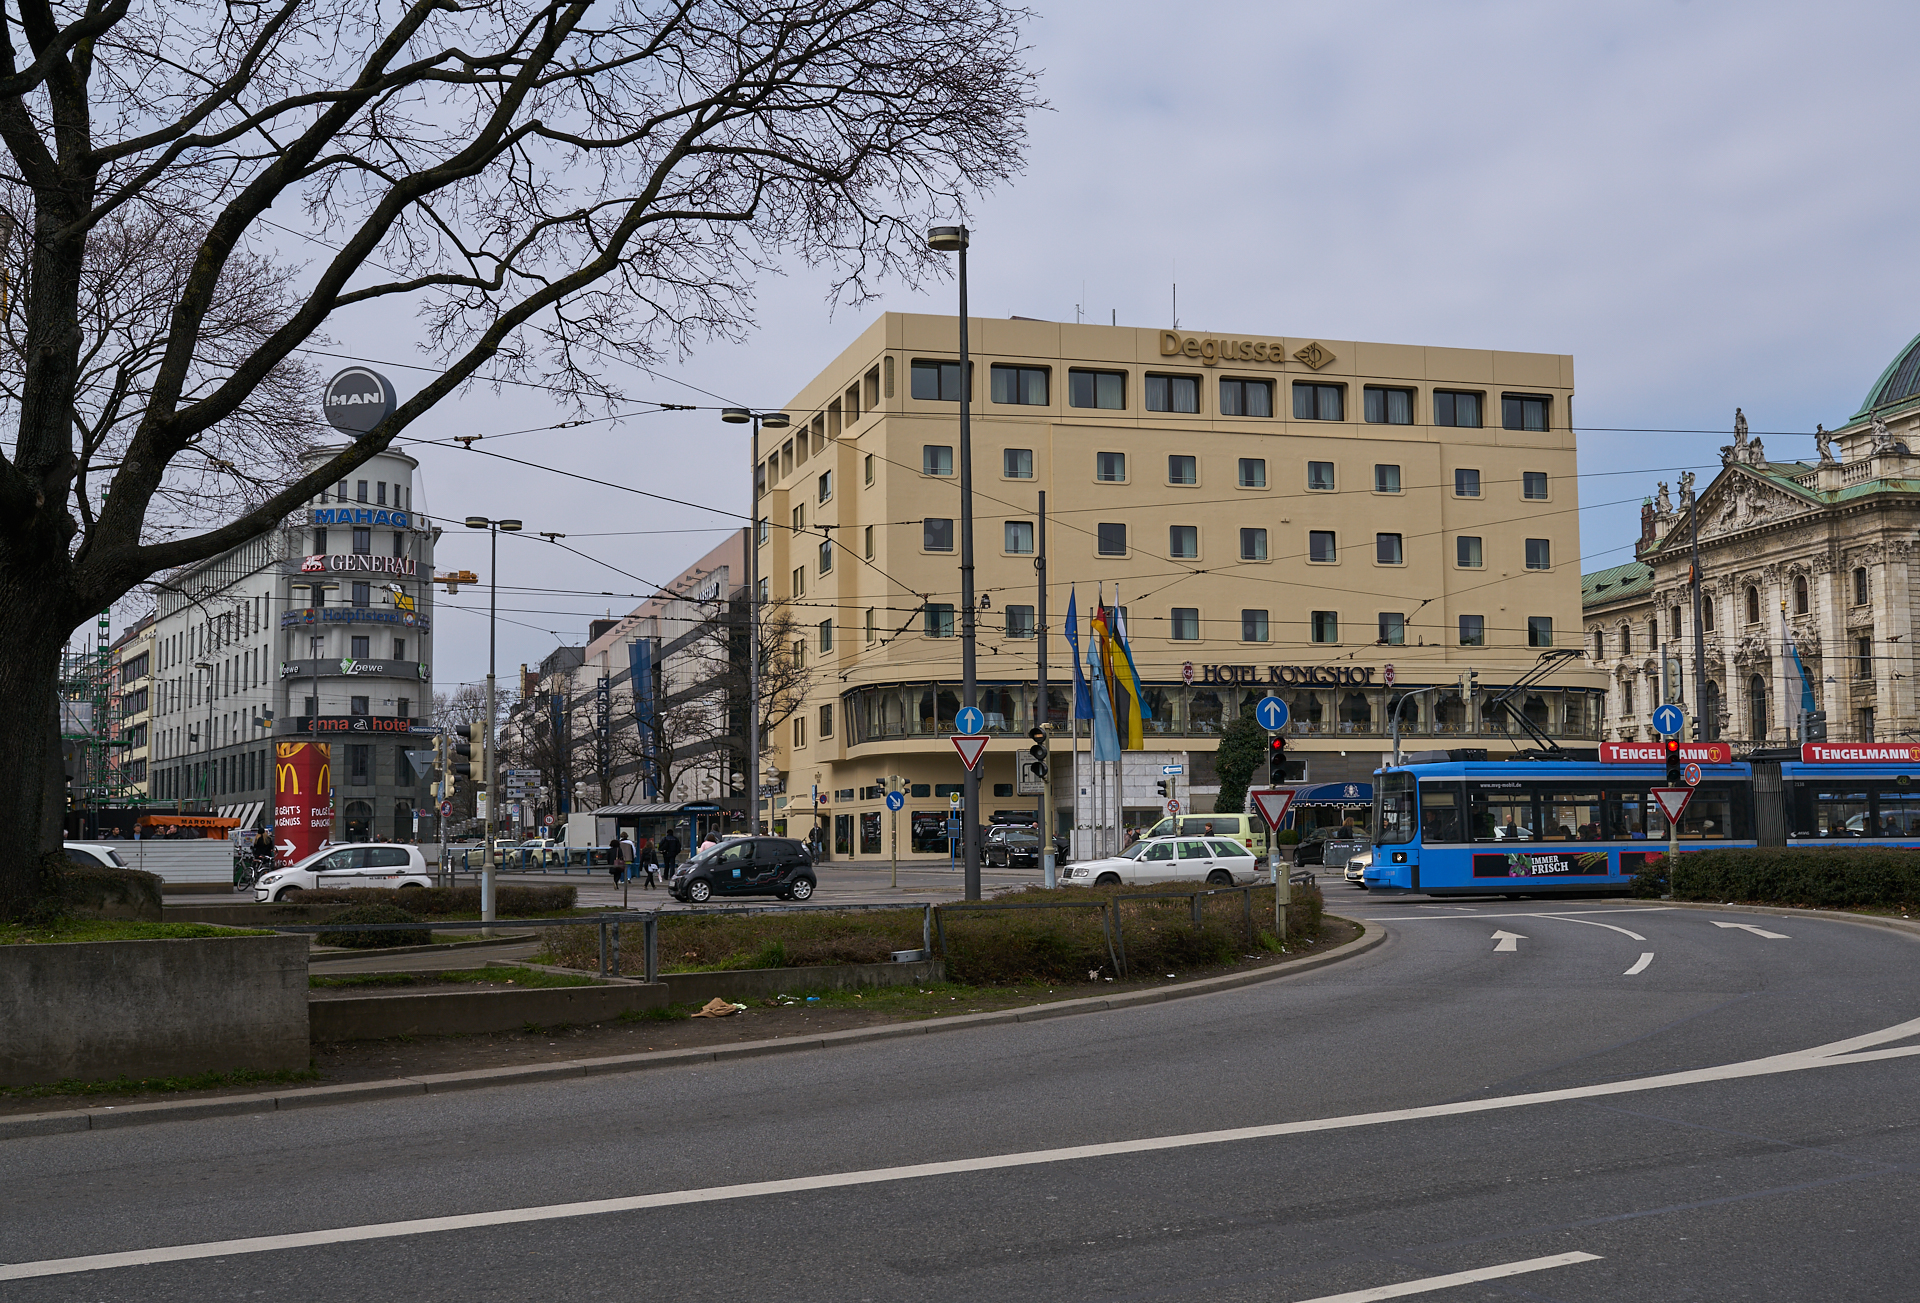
point(1730, 1119)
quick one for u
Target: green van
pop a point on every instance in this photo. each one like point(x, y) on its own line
point(1247, 829)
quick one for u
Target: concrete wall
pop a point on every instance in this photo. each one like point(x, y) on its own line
point(100, 1009)
point(762, 983)
point(430, 1013)
point(181, 859)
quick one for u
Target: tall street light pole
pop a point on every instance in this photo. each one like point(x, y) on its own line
point(954, 239)
point(772, 421)
point(207, 771)
point(493, 528)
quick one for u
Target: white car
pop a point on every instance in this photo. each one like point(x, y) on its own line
point(1213, 861)
point(91, 853)
point(1357, 865)
point(340, 868)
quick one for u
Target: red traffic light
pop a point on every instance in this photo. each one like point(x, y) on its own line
point(1276, 745)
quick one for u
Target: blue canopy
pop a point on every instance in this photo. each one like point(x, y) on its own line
point(1357, 794)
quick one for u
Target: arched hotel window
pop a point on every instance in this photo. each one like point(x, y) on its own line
point(1673, 622)
point(1757, 708)
point(1860, 586)
point(1799, 594)
point(1706, 613)
point(1753, 605)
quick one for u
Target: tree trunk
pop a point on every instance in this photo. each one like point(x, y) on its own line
point(32, 785)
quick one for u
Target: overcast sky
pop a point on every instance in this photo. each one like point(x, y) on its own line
point(1706, 204)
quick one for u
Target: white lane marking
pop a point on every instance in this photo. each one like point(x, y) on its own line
point(1507, 941)
point(1590, 923)
point(1829, 1055)
point(1431, 1283)
point(1639, 965)
point(1757, 931)
point(1559, 913)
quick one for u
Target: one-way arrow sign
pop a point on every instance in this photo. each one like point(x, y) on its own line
point(1272, 802)
point(1757, 931)
point(1507, 941)
point(971, 747)
point(1672, 801)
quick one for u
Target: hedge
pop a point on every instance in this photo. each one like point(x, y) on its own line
point(378, 911)
point(1778, 875)
point(511, 900)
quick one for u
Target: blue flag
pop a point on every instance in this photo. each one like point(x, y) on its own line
point(1082, 700)
point(1106, 736)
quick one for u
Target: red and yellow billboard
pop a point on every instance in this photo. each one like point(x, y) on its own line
point(302, 799)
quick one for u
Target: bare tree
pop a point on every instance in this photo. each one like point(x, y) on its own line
point(546, 184)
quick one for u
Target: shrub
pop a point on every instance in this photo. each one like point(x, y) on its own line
point(1650, 882)
point(381, 911)
point(1822, 878)
point(514, 900)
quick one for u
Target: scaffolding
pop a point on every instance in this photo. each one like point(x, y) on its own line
point(92, 742)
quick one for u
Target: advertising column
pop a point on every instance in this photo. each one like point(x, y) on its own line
point(302, 800)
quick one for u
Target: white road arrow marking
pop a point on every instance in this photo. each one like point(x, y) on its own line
point(1590, 923)
point(1507, 941)
point(1639, 965)
point(1757, 931)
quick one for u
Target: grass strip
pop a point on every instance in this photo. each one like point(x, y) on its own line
point(161, 1085)
point(113, 929)
point(501, 976)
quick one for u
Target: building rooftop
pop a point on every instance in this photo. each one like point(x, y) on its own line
point(1898, 384)
point(1611, 585)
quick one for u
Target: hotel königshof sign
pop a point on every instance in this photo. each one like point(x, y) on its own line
point(1328, 676)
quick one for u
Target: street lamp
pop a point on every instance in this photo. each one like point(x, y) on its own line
point(493, 528)
point(208, 773)
point(954, 239)
point(772, 421)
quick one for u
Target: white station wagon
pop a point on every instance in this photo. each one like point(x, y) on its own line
point(341, 868)
point(1213, 861)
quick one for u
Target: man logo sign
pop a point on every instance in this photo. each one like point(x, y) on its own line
point(357, 399)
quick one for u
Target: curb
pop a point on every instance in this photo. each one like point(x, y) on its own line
point(42, 1124)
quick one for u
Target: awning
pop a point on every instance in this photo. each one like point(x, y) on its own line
point(654, 809)
point(1341, 794)
point(246, 812)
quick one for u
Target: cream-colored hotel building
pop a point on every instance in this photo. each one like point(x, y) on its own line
point(1331, 521)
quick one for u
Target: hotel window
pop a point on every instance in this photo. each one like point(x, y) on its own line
point(1466, 552)
point(1253, 472)
point(1863, 658)
point(1320, 546)
point(867, 467)
point(826, 721)
point(1533, 485)
point(362, 593)
point(362, 490)
point(1393, 628)
point(826, 558)
point(799, 581)
point(1112, 538)
point(1173, 393)
point(362, 542)
point(1523, 411)
point(866, 541)
point(1539, 631)
point(1019, 537)
point(1253, 545)
point(1253, 626)
point(1539, 554)
point(1025, 385)
point(939, 619)
point(1753, 606)
point(936, 459)
point(873, 629)
point(1673, 619)
point(320, 541)
point(1020, 622)
point(826, 635)
point(1451, 408)
point(1183, 469)
point(1626, 697)
point(399, 543)
point(1246, 398)
point(1799, 601)
point(1473, 631)
point(786, 458)
point(1860, 586)
point(1320, 476)
point(1466, 484)
point(359, 706)
point(1389, 406)
point(360, 647)
point(400, 654)
point(936, 534)
point(1326, 626)
point(799, 730)
point(938, 381)
point(359, 765)
point(825, 490)
point(1110, 467)
point(380, 493)
point(1313, 402)
point(799, 517)
point(1386, 479)
point(1387, 550)
point(1097, 389)
point(1017, 463)
point(1183, 542)
point(1186, 624)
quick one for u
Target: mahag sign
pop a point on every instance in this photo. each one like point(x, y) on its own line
point(358, 399)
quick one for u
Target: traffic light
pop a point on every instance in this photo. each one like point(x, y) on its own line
point(1671, 747)
point(1161, 787)
point(460, 759)
point(1038, 765)
point(1277, 759)
point(477, 740)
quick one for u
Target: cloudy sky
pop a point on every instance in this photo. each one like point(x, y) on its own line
point(1706, 204)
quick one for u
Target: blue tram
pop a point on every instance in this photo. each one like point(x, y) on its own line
point(1838, 804)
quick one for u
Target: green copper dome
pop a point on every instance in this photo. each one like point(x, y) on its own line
point(1898, 383)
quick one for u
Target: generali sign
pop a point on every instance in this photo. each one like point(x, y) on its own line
point(1859, 753)
point(357, 563)
point(1652, 753)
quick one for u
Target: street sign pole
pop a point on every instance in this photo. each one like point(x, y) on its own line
point(1272, 803)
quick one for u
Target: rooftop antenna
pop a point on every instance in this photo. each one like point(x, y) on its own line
point(1079, 312)
point(1176, 294)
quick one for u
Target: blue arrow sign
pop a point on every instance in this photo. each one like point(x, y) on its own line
point(1669, 719)
point(895, 800)
point(1271, 714)
point(969, 720)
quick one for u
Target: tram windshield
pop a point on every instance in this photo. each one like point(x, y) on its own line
point(1393, 810)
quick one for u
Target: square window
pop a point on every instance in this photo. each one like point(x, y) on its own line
point(1326, 626)
point(1246, 398)
point(1112, 536)
point(1183, 542)
point(362, 647)
point(1451, 407)
point(800, 730)
point(799, 518)
point(825, 490)
point(1393, 628)
point(362, 493)
point(1389, 406)
point(1466, 484)
point(359, 706)
point(1019, 537)
point(1320, 476)
point(799, 581)
point(826, 638)
point(873, 625)
point(1539, 554)
point(1473, 631)
point(1320, 546)
point(1186, 624)
point(826, 558)
point(1017, 463)
point(1020, 622)
point(1253, 626)
point(1025, 385)
point(1533, 485)
point(363, 542)
point(1539, 631)
point(1173, 393)
point(936, 459)
point(1313, 402)
point(936, 534)
point(1466, 552)
point(866, 540)
point(400, 653)
point(1386, 479)
point(1523, 411)
point(1253, 472)
point(1387, 550)
point(1183, 470)
point(937, 381)
point(1253, 545)
point(1097, 389)
point(867, 467)
point(362, 594)
point(826, 720)
point(1110, 467)
point(939, 619)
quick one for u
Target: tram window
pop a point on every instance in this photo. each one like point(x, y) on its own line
point(1502, 816)
point(1571, 816)
point(1841, 814)
point(1709, 815)
point(1626, 816)
point(1899, 811)
point(1394, 810)
point(1439, 815)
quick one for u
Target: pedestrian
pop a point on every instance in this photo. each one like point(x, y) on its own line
point(622, 859)
point(708, 844)
point(648, 859)
point(669, 852)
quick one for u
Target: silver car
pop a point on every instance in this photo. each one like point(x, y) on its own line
point(1213, 861)
point(340, 868)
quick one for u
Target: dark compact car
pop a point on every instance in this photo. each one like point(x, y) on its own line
point(747, 866)
point(1313, 849)
point(1007, 846)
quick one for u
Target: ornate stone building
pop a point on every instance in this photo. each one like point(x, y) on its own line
point(1818, 552)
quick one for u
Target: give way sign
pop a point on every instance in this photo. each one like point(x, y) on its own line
point(970, 746)
point(1272, 802)
point(1672, 801)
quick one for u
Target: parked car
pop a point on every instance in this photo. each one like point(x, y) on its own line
point(1357, 866)
point(1313, 847)
point(1212, 860)
point(339, 868)
point(91, 853)
point(535, 850)
point(746, 866)
point(1247, 829)
point(1017, 845)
